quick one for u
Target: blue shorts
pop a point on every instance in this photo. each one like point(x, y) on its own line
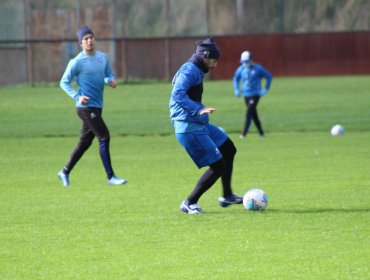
point(202, 145)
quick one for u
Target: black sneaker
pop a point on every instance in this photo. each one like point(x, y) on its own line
point(231, 199)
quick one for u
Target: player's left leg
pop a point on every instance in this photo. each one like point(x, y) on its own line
point(249, 102)
point(228, 151)
point(100, 130)
point(256, 119)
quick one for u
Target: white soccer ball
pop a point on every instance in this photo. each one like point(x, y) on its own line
point(337, 130)
point(255, 200)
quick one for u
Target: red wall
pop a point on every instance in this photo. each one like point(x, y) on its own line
point(159, 58)
point(298, 54)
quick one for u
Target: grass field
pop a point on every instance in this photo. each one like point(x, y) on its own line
point(316, 226)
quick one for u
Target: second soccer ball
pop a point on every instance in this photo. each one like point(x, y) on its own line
point(337, 130)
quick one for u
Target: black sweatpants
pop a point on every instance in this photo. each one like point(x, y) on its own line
point(252, 115)
point(92, 125)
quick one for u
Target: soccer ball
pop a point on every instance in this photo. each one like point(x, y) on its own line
point(337, 130)
point(255, 200)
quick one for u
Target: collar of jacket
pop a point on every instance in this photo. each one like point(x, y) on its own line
point(198, 61)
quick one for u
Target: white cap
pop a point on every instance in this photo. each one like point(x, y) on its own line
point(245, 56)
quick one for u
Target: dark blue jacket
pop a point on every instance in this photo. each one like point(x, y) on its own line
point(186, 95)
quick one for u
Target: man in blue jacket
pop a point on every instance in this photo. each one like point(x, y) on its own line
point(251, 75)
point(92, 71)
point(205, 143)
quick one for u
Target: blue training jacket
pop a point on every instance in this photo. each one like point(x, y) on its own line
point(251, 77)
point(91, 72)
point(182, 107)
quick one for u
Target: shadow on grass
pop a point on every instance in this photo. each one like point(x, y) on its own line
point(293, 211)
point(319, 210)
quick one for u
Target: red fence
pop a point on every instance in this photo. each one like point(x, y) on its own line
point(158, 59)
point(283, 54)
point(299, 54)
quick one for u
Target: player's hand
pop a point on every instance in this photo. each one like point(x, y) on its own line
point(263, 92)
point(83, 100)
point(113, 84)
point(206, 111)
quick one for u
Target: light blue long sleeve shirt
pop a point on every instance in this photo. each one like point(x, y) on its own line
point(91, 73)
point(251, 78)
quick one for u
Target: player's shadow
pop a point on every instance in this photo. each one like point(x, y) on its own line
point(319, 210)
point(294, 211)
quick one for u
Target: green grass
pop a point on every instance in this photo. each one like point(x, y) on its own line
point(316, 225)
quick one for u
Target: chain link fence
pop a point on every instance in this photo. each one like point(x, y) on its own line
point(37, 37)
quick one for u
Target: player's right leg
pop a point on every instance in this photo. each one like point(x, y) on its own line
point(85, 141)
